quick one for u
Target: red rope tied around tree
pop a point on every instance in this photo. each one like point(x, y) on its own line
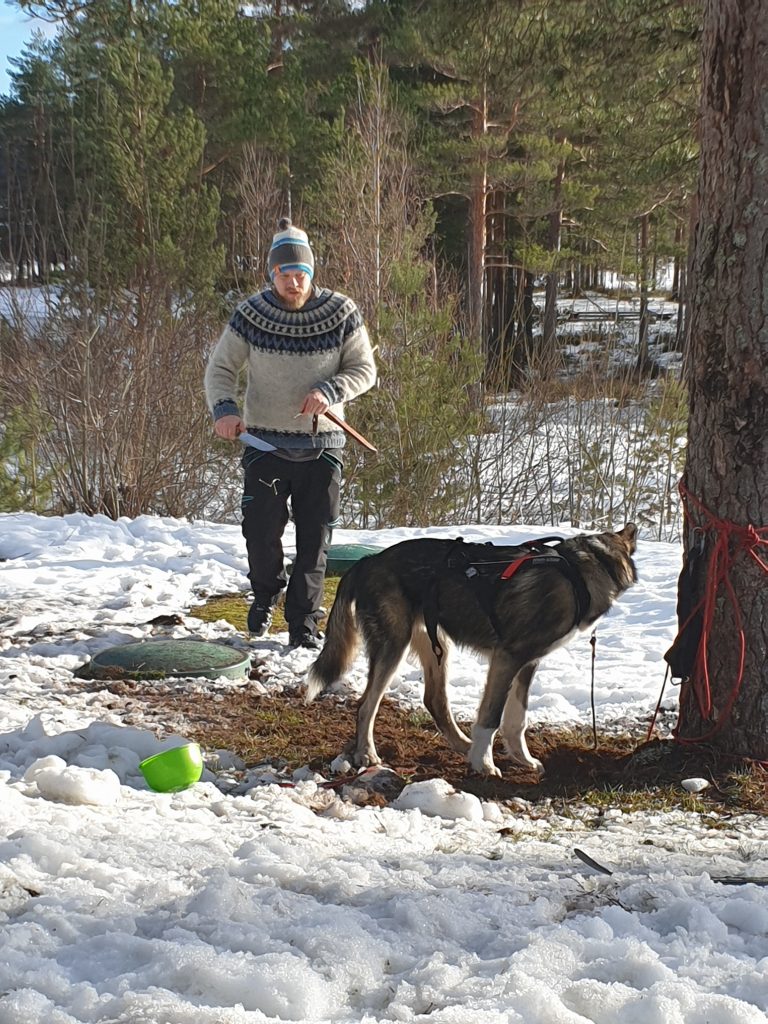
point(730, 540)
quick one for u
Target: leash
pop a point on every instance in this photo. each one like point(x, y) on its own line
point(593, 644)
point(652, 726)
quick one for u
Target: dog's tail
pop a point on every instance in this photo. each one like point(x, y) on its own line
point(341, 641)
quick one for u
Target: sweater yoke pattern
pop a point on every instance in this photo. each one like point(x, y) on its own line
point(320, 326)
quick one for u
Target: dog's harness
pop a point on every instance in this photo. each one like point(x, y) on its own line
point(484, 576)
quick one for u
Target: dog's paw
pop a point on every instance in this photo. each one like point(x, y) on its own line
point(517, 751)
point(484, 766)
point(531, 764)
point(366, 759)
point(480, 755)
point(461, 746)
point(313, 687)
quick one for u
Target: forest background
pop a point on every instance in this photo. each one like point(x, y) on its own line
point(459, 168)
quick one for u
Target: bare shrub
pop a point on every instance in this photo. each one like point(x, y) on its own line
point(252, 223)
point(595, 449)
point(119, 423)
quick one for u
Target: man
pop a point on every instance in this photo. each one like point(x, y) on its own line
point(305, 350)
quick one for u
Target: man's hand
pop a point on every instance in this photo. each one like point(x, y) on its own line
point(229, 427)
point(315, 404)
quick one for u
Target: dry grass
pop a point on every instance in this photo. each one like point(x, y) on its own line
point(622, 773)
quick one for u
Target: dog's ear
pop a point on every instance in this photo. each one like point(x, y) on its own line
point(629, 535)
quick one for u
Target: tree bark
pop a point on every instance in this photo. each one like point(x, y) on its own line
point(643, 364)
point(500, 287)
point(554, 233)
point(478, 231)
point(726, 475)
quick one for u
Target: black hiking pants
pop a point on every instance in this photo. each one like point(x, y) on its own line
point(313, 490)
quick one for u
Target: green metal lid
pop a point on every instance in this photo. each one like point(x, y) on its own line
point(343, 556)
point(171, 658)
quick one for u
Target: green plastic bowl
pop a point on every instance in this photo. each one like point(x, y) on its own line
point(173, 770)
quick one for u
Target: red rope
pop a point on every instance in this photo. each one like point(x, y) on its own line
point(729, 540)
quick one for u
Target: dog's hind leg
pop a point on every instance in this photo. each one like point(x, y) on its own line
point(341, 642)
point(514, 717)
point(435, 687)
point(384, 659)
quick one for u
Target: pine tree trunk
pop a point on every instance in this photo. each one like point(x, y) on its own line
point(500, 297)
point(643, 365)
point(727, 463)
point(549, 341)
point(478, 235)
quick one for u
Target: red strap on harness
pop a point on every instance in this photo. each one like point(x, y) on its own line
point(514, 566)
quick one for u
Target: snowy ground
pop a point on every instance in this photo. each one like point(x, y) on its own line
point(118, 904)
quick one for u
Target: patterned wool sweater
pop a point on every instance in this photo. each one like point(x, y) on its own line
point(287, 353)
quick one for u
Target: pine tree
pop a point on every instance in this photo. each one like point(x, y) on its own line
point(33, 185)
point(723, 696)
point(376, 243)
point(23, 486)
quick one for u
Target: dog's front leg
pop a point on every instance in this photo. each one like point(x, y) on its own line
point(501, 672)
point(481, 751)
point(514, 719)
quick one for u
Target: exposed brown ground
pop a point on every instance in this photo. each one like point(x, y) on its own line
point(623, 771)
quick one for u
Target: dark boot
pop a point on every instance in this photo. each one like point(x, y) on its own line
point(259, 619)
point(305, 637)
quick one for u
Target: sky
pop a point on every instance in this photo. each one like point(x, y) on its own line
point(16, 29)
point(252, 898)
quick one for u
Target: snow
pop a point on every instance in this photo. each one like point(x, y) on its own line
point(26, 308)
point(223, 906)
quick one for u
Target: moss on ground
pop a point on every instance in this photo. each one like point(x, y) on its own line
point(233, 608)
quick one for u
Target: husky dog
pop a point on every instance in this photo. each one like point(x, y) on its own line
point(512, 604)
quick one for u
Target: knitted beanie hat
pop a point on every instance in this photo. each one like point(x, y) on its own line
point(290, 250)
